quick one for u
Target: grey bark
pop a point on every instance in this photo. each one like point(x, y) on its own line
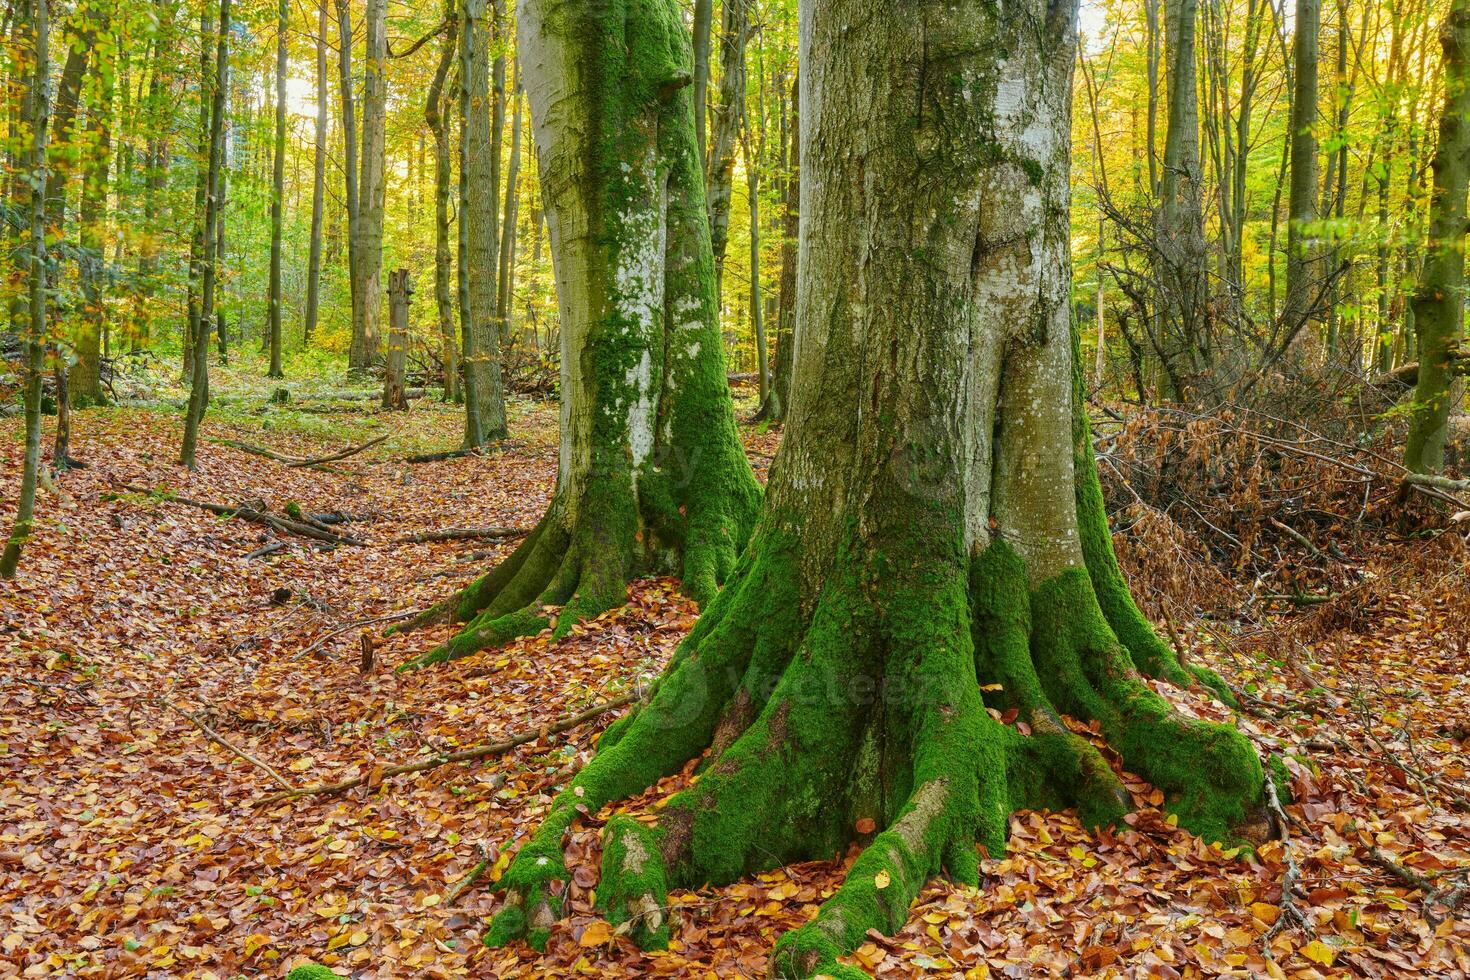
point(319, 180)
point(278, 192)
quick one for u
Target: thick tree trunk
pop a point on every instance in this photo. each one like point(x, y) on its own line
point(443, 173)
point(933, 542)
point(32, 37)
point(199, 386)
point(1301, 267)
point(319, 180)
point(652, 478)
point(278, 192)
point(1439, 302)
point(479, 213)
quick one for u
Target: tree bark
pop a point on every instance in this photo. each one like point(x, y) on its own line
point(367, 296)
point(32, 31)
point(278, 191)
point(400, 289)
point(1439, 301)
point(479, 214)
point(933, 519)
point(199, 386)
point(508, 229)
point(1180, 260)
point(84, 380)
point(1301, 267)
point(704, 16)
point(319, 181)
point(652, 478)
point(786, 297)
point(727, 114)
point(434, 107)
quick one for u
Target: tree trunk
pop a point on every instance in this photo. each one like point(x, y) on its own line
point(199, 388)
point(85, 378)
point(786, 299)
point(721, 169)
point(1301, 267)
point(443, 172)
point(933, 519)
point(278, 191)
point(1180, 262)
point(367, 297)
point(192, 326)
point(757, 321)
point(1439, 301)
point(319, 180)
point(479, 212)
point(395, 395)
point(32, 40)
point(652, 477)
point(508, 229)
point(704, 16)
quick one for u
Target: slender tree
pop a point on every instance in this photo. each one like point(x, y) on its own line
point(652, 476)
point(479, 212)
point(32, 32)
point(720, 174)
point(1301, 268)
point(84, 380)
point(434, 106)
point(278, 189)
point(933, 516)
point(367, 249)
point(199, 387)
point(319, 180)
point(1439, 302)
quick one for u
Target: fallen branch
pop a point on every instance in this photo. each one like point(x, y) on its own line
point(250, 514)
point(1449, 897)
point(1291, 913)
point(268, 549)
point(465, 534)
point(377, 775)
point(436, 457)
point(1296, 536)
point(320, 641)
point(299, 462)
point(224, 743)
point(463, 884)
point(333, 457)
point(1437, 482)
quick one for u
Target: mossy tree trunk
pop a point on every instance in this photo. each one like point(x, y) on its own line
point(652, 477)
point(1439, 302)
point(933, 542)
point(434, 116)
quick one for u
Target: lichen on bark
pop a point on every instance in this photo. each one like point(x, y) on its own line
point(652, 476)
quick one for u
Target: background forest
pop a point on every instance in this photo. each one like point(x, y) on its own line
point(280, 369)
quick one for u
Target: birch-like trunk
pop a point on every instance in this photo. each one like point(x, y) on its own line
point(652, 478)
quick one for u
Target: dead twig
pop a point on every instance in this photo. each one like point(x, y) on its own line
point(464, 534)
point(464, 884)
point(255, 516)
point(378, 774)
point(225, 744)
point(320, 641)
point(1291, 913)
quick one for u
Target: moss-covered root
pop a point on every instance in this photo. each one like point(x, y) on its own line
point(936, 830)
point(633, 892)
point(677, 724)
point(1209, 773)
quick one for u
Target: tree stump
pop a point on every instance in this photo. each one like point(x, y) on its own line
point(399, 291)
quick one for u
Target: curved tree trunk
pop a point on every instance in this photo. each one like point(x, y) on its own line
point(1439, 302)
point(652, 477)
point(933, 542)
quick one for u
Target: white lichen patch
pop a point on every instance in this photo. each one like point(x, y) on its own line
point(640, 411)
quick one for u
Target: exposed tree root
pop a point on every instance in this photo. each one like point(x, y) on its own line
point(870, 711)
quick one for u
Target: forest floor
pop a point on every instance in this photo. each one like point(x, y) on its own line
point(131, 845)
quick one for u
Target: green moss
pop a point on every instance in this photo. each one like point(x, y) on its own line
point(634, 885)
point(311, 971)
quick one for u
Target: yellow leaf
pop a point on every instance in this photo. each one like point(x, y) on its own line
point(881, 880)
point(1319, 952)
point(596, 934)
point(302, 764)
point(358, 938)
